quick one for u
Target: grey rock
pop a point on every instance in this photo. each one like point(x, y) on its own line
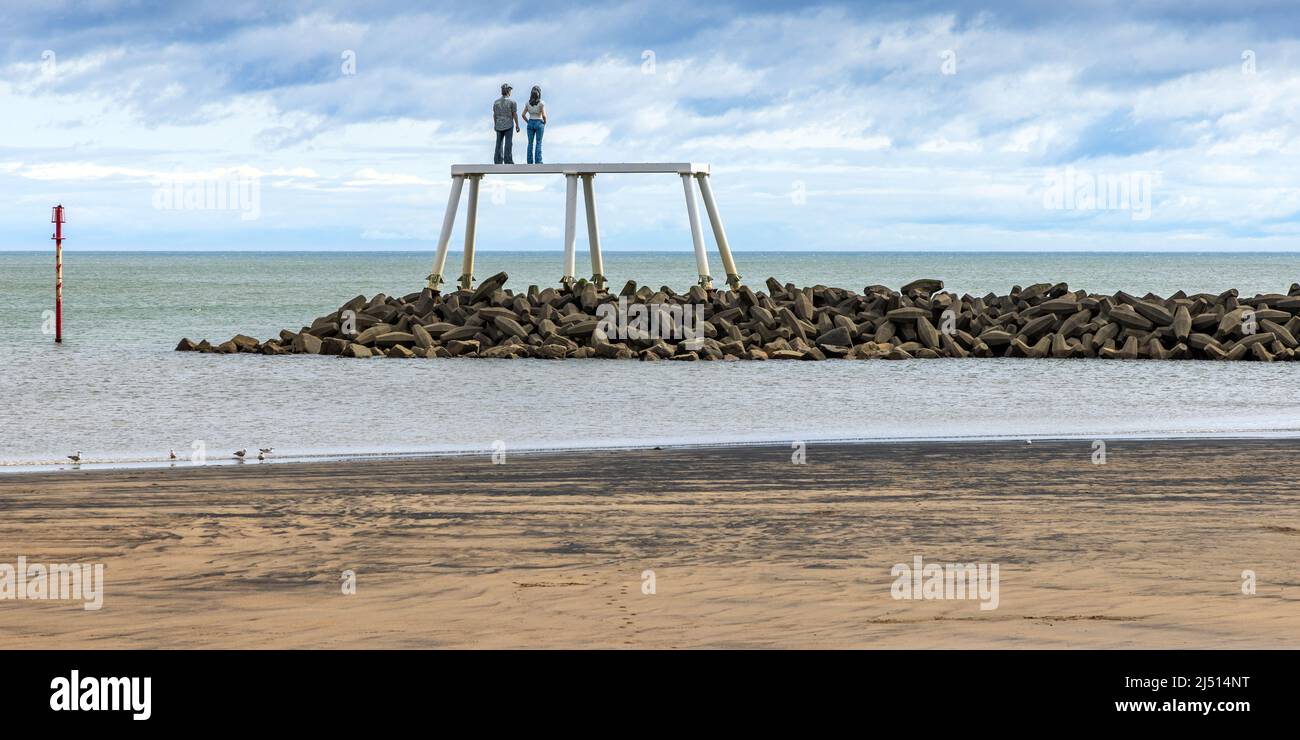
point(307, 344)
point(488, 287)
point(393, 338)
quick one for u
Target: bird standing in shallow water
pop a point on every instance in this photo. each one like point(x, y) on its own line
point(75, 458)
point(261, 456)
point(171, 454)
point(240, 453)
point(266, 450)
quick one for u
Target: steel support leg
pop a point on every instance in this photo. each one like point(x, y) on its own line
point(719, 234)
point(471, 226)
point(593, 231)
point(570, 227)
point(697, 236)
point(448, 221)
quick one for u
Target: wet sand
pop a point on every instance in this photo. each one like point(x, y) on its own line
point(747, 549)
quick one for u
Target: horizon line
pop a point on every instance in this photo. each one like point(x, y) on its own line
point(1295, 251)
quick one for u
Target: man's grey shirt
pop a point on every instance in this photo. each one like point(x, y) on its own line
point(503, 113)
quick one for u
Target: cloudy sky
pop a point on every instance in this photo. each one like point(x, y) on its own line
point(891, 126)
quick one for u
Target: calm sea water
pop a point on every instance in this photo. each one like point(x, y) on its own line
point(117, 391)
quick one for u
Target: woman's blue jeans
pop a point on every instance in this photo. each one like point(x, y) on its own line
point(535, 130)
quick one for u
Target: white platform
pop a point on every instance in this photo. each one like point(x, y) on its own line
point(585, 168)
point(693, 175)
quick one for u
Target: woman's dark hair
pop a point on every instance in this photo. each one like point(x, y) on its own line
point(536, 96)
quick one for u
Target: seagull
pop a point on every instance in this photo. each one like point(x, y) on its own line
point(240, 454)
point(171, 455)
point(75, 458)
point(266, 450)
point(261, 456)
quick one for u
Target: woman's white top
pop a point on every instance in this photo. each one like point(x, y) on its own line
point(535, 111)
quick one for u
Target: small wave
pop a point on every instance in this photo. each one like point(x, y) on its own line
point(13, 465)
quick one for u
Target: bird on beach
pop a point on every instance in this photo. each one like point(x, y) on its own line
point(75, 458)
point(266, 450)
point(261, 455)
point(240, 453)
point(171, 454)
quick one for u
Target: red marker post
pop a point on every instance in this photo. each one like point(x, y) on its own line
point(57, 219)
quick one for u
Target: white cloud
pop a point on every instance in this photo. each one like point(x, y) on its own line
point(943, 146)
point(805, 137)
point(894, 153)
point(368, 177)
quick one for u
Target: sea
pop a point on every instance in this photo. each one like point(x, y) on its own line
point(117, 392)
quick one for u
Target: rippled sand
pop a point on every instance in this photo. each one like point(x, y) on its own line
point(746, 548)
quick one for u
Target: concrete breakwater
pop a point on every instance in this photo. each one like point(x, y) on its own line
point(786, 322)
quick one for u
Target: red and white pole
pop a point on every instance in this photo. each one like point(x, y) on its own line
point(57, 218)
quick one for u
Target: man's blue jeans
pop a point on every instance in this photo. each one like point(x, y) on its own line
point(535, 130)
point(505, 154)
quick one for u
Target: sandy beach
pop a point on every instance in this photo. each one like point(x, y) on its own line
point(745, 548)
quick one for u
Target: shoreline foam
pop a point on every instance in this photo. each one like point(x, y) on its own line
point(283, 458)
